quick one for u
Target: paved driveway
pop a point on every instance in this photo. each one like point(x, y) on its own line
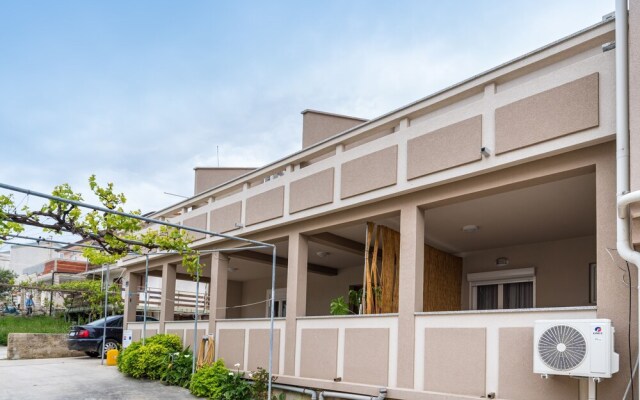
point(76, 378)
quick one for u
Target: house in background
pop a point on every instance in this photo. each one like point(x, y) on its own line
point(496, 198)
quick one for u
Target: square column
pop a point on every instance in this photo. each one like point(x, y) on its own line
point(411, 287)
point(132, 297)
point(168, 294)
point(217, 290)
point(296, 296)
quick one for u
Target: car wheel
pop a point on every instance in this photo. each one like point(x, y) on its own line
point(92, 353)
point(109, 344)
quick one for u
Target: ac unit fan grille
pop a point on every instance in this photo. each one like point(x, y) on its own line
point(562, 348)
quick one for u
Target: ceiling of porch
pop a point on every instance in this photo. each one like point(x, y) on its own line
point(549, 211)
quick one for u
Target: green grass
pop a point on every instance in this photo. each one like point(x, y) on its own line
point(38, 324)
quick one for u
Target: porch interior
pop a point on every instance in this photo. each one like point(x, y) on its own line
point(529, 247)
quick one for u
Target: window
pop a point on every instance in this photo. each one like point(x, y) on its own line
point(280, 303)
point(508, 289)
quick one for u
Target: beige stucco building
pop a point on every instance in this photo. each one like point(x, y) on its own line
point(503, 191)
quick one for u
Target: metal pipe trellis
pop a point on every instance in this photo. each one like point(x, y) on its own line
point(154, 221)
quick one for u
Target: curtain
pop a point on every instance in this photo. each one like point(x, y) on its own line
point(518, 295)
point(487, 297)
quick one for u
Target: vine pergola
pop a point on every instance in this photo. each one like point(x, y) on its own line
point(109, 234)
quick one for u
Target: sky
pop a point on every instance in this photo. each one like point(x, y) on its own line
point(141, 92)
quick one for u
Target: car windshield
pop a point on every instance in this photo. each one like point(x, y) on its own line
point(100, 322)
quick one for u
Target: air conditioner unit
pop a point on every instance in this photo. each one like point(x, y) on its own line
point(576, 347)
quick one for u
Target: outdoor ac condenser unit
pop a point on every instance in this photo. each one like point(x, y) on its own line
point(576, 347)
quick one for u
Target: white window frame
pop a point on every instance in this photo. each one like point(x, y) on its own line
point(280, 298)
point(499, 278)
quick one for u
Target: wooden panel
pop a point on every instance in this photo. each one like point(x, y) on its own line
point(442, 280)
point(565, 109)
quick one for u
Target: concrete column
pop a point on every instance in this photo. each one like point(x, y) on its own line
point(217, 290)
point(296, 296)
point(132, 297)
point(411, 286)
point(168, 293)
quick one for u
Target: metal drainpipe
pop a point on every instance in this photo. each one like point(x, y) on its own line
point(624, 198)
point(339, 395)
point(295, 389)
point(287, 388)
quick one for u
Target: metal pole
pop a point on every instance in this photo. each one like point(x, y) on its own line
point(195, 324)
point(106, 304)
point(123, 214)
point(271, 321)
point(146, 287)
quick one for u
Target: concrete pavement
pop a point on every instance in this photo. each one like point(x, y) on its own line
point(80, 378)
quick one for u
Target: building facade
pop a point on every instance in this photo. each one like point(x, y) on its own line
point(501, 192)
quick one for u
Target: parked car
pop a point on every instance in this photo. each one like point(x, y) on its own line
point(88, 338)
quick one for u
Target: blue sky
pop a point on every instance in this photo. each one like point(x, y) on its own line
point(140, 92)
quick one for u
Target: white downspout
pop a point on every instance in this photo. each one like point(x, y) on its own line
point(624, 198)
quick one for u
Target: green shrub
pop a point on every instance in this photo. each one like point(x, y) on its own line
point(234, 387)
point(149, 362)
point(151, 359)
point(178, 371)
point(170, 342)
point(127, 356)
point(207, 381)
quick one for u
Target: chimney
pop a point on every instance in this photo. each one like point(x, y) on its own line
point(318, 126)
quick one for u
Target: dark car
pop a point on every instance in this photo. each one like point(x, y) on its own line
point(88, 338)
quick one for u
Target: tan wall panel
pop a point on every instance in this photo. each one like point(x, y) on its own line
point(366, 356)
point(224, 219)
point(453, 145)
point(442, 280)
point(455, 360)
point(137, 334)
point(207, 178)
point(188, 336)
point(370, 172)
point(516, 379)
point(259, 349)
point(265, 206)
point(312, 191)
point(234, 298)
point(198, 222)
point(319, 353)
point(566, 109)
point(319, 126)
point(231, 347)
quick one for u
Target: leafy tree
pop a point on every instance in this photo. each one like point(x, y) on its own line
point(115, 235)
point(89, 294)
point(7, 278)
